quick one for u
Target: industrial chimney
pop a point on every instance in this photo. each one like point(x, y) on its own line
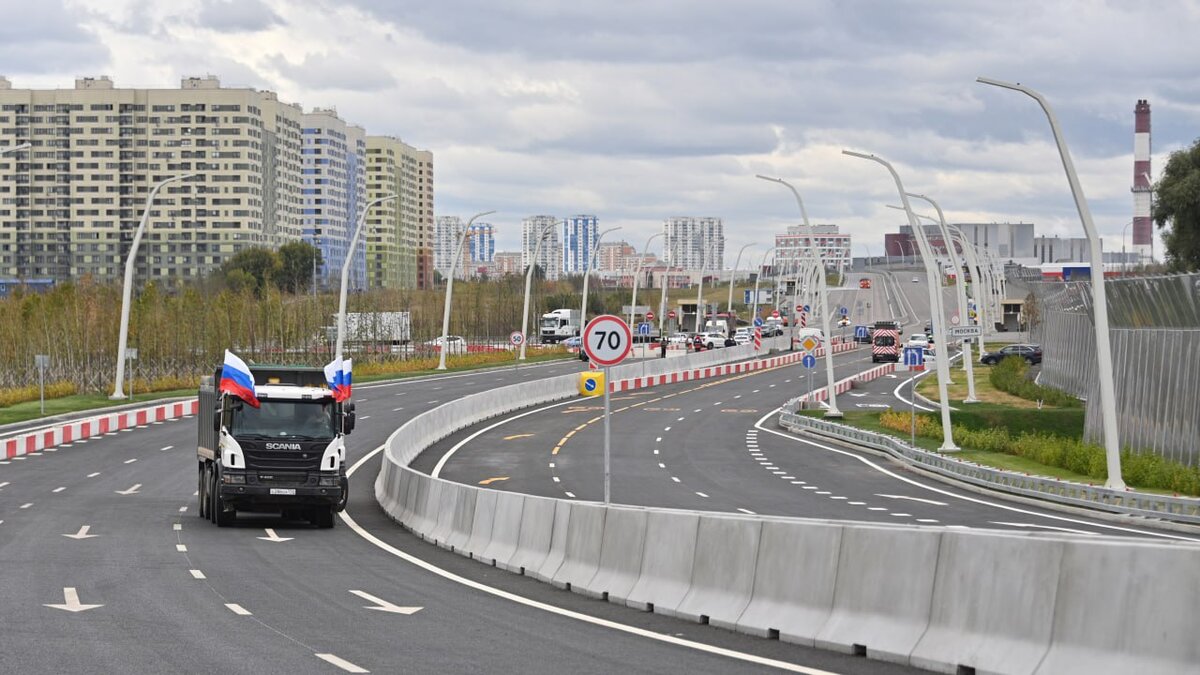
point(1143, 228)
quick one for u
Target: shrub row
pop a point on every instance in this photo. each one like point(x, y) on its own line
point(1011, 375)
point(14, 395)
point(1145, 470)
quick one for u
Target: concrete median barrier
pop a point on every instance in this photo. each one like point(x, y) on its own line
point(481, 525)
point(558, 543)
point(993, 603)
point(883, 593)
point(585, 533)
point(537, 532)
point(464, 518)
point(667, 559)
point(723, 572)
point(620, 554)
point(506, 529)
point(793, 582)
point(1125, 607)
point(428, 502)
point(446, 507)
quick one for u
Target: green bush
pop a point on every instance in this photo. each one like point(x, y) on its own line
point(14, 395)
point(1011, 375)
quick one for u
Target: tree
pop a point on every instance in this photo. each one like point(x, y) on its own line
point(297, 260)
point(259, 263)
point(1177, 202)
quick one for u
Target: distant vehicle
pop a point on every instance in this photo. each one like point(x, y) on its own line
point(717, 325)
point(885, 342)
point(710, 340)
point(916, 280)
point(1031, 353)
point(679, 339)
point(815, 332)
point(558, 325)
point(772, 327)
point(573, 342)
point(930, 356)
point(455, 344)
point(918, 340)
point(742, 338)
point(394, 328)
point(743, 330)
point(844, 321)
point(864, 283)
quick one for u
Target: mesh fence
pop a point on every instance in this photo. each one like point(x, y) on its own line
point(1154, 323)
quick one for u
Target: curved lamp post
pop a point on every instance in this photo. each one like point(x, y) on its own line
point(537, 247)
point(127, 291)
point(637, 273)
point(943, 374)
point(450, 289)
point(587, 273)
point(341, 323)
point(737, 261)
point(757, 276)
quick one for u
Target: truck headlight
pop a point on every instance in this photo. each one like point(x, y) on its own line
point(233, 478)
point(328, 481)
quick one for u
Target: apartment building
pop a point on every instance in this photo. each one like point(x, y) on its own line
point(448, 230)
point(798, 243)
point(694, 243)
point(69, 204)
point(508, 262)
point(399, 230)
point(579, 235)
point(333, 169)
point(549, 255)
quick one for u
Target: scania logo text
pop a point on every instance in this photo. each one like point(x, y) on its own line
point(283, 446)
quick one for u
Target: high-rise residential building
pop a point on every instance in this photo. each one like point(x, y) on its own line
point(579, 235)
point(69, 204)
point(508, 262)
point(614, 256)
point(334, 178)
point(395, 237)
point(549, 254)
point(694, 243)
point(481, 243)
point(448, 230)
point(797, 244)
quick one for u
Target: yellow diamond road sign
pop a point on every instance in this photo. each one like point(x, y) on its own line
point(809, 343)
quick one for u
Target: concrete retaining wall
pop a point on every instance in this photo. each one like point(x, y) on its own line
point(938, 598)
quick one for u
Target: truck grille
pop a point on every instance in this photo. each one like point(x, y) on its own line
point(274, 461)
point(282, 477)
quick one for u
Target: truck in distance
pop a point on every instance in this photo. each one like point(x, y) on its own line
point(558, 325)
point(885, 342)
point(286, 456)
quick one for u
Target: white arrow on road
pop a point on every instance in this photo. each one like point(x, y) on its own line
point(71, 601)
point(271, 536)
point(130, 491)
point(384, 605)
point(858, 395)
point(914, 499)
point(82, 533)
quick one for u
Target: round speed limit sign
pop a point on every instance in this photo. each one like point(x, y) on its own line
point(516, 338)
point(607, 340)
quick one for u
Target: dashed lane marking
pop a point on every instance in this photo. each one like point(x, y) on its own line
point(496, 479)
point(58, 489)
point(747, 512)
point(25, 506)
point(676, 479)
point(702, 495)
point(570, 494)
point(237, 609)
point(516, 436)
point(131, 461)
point(197, 574)
point(165, 448)
point(338, 661)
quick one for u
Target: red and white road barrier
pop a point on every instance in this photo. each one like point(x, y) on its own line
point(845, 385)
point(69, 432)
point(718, 371)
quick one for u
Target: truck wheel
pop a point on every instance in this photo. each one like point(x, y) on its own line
point(202, 490)
point(212, 495)
point(341, 505)
point(323, 517)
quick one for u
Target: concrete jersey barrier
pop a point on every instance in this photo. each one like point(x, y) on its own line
point(941, 599)
point(90, 427)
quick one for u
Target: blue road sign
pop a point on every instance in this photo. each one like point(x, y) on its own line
point(807, 308)
point(644, 328)
point(590, 384)
point(809, 361)
point(914, 356)
point(844, 311)
point(758, 321)
point(861, 332)
point(746, 299)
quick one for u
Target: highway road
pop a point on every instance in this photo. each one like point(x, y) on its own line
point(108, 568)
point(714, 445)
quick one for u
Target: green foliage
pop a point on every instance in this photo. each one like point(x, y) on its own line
point(1011, 375)
point(251, 269)
point(297, 260)
point(1177, 203)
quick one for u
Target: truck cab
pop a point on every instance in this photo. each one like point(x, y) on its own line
point(558, 325)
point(286, 456)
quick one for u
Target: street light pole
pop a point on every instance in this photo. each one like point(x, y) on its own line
point(737, 261)
point(16, 148)
point(943, 373)
point(127, 291)
point(700, 287)
point(1124, 231)
point(757, 276)
point(587, 273)
point(977, 282)
point(341, 321)
point(450, 289)
point(545, 232)
point(662, 301)
point(637, 273)
point(1108, 394)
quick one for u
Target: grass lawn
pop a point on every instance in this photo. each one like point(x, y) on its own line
point(31, 410)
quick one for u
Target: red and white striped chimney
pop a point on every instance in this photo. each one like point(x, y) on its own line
point(1143, 228)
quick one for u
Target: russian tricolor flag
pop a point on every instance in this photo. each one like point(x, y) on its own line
point(237, 380)
point(339, 375)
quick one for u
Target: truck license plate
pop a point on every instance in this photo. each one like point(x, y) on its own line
point(283, 491)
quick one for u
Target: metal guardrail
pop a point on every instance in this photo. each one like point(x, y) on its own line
point(1180, 509)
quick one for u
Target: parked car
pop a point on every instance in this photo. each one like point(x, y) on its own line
point(1031, 353)
point(573, 342)
point(679, 339)
point(455, 344)
point(742, 339)
point(710, 340)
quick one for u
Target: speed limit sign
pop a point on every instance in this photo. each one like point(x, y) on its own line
point(607, 340)
point(516, 338)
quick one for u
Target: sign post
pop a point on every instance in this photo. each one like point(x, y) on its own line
point(131, 356)
point(914, 358)
point(810, 362)
point(607, 341)
point(42, 361)
point(516, 339)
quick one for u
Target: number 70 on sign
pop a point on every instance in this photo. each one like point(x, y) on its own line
point(607, 340)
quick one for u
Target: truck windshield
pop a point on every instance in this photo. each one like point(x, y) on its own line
point(285, 419)
point(885, 341)
point(550, 323)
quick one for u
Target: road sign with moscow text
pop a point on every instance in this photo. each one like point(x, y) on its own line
point(965, 331)
point(607, 340)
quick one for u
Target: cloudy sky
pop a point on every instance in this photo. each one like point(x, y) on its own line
point(636, 110)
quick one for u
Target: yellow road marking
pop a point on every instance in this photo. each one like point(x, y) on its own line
point(489, 481)
point(516, 436)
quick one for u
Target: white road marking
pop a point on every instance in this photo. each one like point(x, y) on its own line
point(797, 482)
point(71, 602)
point(676, 479)
point(4, 484)
point(696, 410)
point(823, 492)
point(747, 512)
point(702, 495)
point(182, 548)
point(551, 465)
point(237, 609)
point(679, 420)
point(271, 536)
point(661, 465)
point(836, 497)
point(450, 453)
point(914, 499)
point(183, 509)
point(385, 606)
point(856, 503)
point(131, 461)
point(177, 527)
point(756, 391)
point(397, 409)
point(25, 506)
point(778, 473)
point(341, 663)
point(93, 474)
point(197, 574)
point(658, 440)
point(876, 508)
point(570, 494)
point(58, 489)
point(82, 533)
point(902, 515)
point(788, 477)
point(666, 428)
point(656, 451)
point(130, 491)
point(165, 448)
point(926, 520)
point(365, 417)
point(738, 396)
